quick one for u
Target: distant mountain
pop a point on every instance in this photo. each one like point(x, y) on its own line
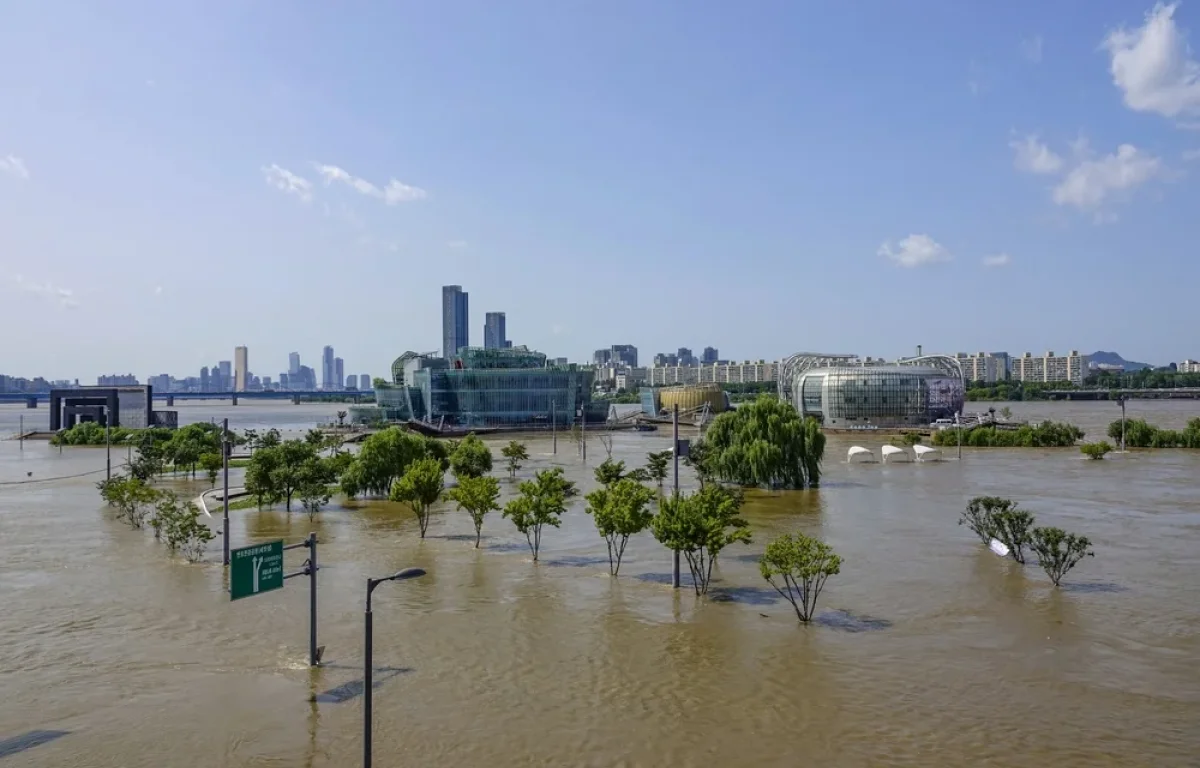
point(1112, 358)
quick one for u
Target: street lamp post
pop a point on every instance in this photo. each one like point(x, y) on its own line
point(407, 573)
point(1121, 400)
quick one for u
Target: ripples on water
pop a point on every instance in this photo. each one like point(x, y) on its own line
point(929, 651)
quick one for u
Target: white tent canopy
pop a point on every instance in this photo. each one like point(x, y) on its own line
point(858, 454)
point(927, 453)
point(894, 453)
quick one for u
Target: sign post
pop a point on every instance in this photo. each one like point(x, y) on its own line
point(259, 568)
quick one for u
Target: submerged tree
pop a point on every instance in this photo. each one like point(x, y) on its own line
point(803, 564)
point(1095, 451)
point(1012, 528)
point(1058, 551)
point(211, 463)
point(542, 502)
point(656, 466)
point(514, 453)
point(700, 526)
point(476, 496)
point(471, 458)
point(420, 488)
point(765, 443)
point(978, 515)
point(620, 510)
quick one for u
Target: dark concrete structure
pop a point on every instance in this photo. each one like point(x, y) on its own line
point(101, 405)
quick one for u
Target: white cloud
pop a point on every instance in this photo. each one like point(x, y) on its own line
point(1031, 49)
point(286, 181)
point(64, 297)
point(1153, 67)
point(915, 251)
point(395, 191)
point(14, 165)
point(1191, 154)
point(997, 260)
point(1032, 156)
point(1092, 182)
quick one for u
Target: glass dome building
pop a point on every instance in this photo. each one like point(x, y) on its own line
point(847, 397)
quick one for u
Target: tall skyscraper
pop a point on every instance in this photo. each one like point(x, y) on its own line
point(339, 375)
point(494, 333)
point(327, 368)
point(204, 382)
point(455, 316)
point(293, 363)
point(709, 356)
point(226, 375)
point(364, 382)
point(241, 366)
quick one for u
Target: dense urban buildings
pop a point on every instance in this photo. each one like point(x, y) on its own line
point(494, 331)
point(709, 356)
point(1188, 366)
point(241, 365)
point(1050, 367)
point(986, 367)
point(455, 320)
point(115, 380)
point(618, 355)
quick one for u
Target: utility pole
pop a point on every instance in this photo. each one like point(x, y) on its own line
point(583, 431)
point(225, 491)
point(21, 433)
point(107, 453)
point(675, 482)
point(554, 426)
point(958, 431)
point(1121, 400)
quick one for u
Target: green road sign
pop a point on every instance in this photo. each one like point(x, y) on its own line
point(256, 569)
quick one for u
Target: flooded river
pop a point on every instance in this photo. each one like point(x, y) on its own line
point(929, 652)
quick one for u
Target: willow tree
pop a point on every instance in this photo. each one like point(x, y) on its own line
point(765, 443)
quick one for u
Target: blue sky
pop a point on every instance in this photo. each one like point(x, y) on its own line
point(766, 177)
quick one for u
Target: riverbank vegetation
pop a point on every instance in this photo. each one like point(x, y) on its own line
point(765, 443)
point(1048, 434)
point(174, 521)
point(700, 526)
point(1140, 434)
point(991, 517)
point(1095, 451)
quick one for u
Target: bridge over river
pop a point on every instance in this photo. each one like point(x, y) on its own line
point(1176, 393)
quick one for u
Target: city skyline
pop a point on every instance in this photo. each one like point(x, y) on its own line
point(756, 198)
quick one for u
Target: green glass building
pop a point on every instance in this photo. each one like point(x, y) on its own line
point(497, 388)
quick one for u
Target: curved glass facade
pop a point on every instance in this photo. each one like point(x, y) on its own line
point(878, 396)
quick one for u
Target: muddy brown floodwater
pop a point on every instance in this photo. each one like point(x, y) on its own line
point(930, 651)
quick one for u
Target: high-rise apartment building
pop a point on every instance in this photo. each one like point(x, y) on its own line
point(293, 363)
point(455, 316)
point(983, 366)
point(1188, 366)
point(339, 375)
point(709, 356)
point(327, 368)
point(1050, 367)
point(494, 332)
point(685, 356)
point(226, 368)
point(241, 367)
point(204, 382)
point(364, 382)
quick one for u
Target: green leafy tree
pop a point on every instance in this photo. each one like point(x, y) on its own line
point(476, 496)
point(978, 515)
point(384, 457)
point(1058, 551)
point(1095, 451)
point(541, 502)
point(657, 465)
point(765, 443)
point(313, 487)
point(250, 438)
point(132, 498)
point(289, 474)
point(211, 464)
point(515, 453)
point(1005, 413)
point(270, 438)
point(315, 438)
point(609, 472)
point(620, 509)
point(420, 487)
point(1012, 528)
point(471, 458)
point(701, 526)
point(260, 476)
point(699, 459)
point(179, 523)
point(802, 564)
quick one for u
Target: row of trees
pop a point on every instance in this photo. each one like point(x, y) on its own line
point(174, 521)
point(1141, 434)
point(1058, 551)
point(1048, 434)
